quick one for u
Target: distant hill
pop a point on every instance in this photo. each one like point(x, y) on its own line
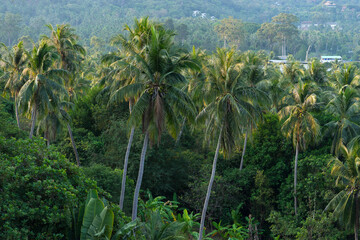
point(106, 17)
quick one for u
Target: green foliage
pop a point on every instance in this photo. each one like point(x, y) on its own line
point(39, 189)
point(109, 180)
point(97, 219)
point(8, 126)
point(319, 226)
point(42, 189)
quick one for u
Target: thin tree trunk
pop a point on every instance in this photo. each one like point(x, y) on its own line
point(295, 175)
point(307, 53)
point(123, 181)
point(17, 113)
point(140, 175)
point(203, 215)
point(126, 161)
point(73, 145)
point(356, 227)
point(243, 152)
point(181, 132)
point(33, 121)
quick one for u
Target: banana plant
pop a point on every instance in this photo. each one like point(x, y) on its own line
point(93, 220)
point(190, 223)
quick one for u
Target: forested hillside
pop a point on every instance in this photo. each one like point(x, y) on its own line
point(179, 125)
point(320, 25)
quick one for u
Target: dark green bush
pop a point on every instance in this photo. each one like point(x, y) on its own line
point(38, 189)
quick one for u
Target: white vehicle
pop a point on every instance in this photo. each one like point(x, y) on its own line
point(325, 59)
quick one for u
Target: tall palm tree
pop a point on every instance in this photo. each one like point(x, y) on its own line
point(157, 74)
point(15, 61)
point(119, 75)
point(300, 125)
point(227, 109)
point(138, 36)
point(64, 39)
point(42, 91)
point(194, 86)
point(254, 75)
point(346, 202)
point(276, 86)
point(345, 108)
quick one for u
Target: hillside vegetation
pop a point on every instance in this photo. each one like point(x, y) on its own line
point(181, 128)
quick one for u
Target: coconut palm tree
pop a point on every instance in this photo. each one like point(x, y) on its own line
point(300, 125)
point(344, 106)
point(15, 61)
point(194, 86)
point(64, 39)
point(292, 71)
point(157, 74)
point(120, 75)
point(316, 72)
point(227, 109)
point(253, 73)
point(276, 86)
point(138, 36)
point(346, 203)
point(41, 92)
point(345, 76)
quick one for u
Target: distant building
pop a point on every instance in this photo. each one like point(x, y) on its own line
point(332, 25)
point(196, 12)
point(325, 59)
point(306, 25)
point(329, 4)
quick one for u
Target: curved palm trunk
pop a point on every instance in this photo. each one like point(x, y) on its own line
point(203, 215)
point(33, 121)
point(295, 176)
point(73, 145)
point(356, 227)
point(140, 175)
point(123, 181)
point(17, 113)
point(243, 152)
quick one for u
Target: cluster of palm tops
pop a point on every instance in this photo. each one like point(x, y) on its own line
point(165, 87)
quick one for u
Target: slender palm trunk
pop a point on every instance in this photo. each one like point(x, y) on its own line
point(356, 227)
point(203, 215)
point(123, 181)
point(295, 175)
point(126, 161)
point(73, 145)
point(17, 113)
point(33, 121)
point(243, 152)
point(181, 132)
point(140, 175)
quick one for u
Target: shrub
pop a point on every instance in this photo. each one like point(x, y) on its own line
point(39, 187)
